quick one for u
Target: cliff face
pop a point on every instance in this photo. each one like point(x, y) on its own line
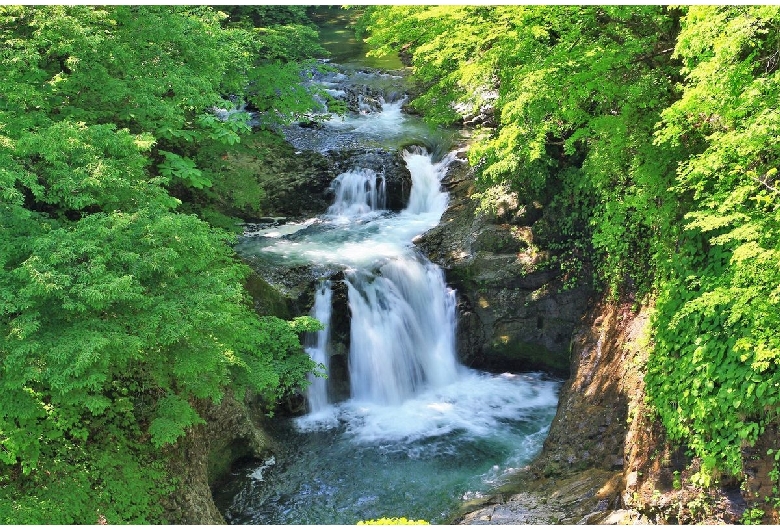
point(606, 460)
point(513, 313)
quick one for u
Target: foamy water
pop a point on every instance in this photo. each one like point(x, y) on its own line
point(473, 406)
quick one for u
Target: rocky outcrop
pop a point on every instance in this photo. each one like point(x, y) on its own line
point(299, 183)
point(606, 459)
point(201, 458)
point(514, 312)
point(271, 181)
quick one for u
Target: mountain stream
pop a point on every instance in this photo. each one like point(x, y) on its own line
point(420, 433)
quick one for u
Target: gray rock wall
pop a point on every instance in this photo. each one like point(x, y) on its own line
point(513, 311)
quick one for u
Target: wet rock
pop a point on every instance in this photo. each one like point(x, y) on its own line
point(338, 347)
point(387, 164)
point(513, 312)
point(527, 500)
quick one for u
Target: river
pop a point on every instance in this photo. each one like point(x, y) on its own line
point(420, 433)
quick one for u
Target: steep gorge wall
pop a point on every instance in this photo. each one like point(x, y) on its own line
point(514, 314)
point(606, 460)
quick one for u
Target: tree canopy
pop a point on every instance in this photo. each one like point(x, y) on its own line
point(119, 312)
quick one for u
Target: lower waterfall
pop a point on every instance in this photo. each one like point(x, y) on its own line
point(402, 333)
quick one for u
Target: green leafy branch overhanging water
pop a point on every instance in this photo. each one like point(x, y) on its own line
point(120, 314)
point(651, 135)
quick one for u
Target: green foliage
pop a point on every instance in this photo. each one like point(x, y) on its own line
point(262, 16)
point(752, 516)
point(82, 67)
point(183, 168)
point(715, 376)
point(155, 293)
point(650, 134)
point(172, 416)
point(115, 480)
point(117, 312)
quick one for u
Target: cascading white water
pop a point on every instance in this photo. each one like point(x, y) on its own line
point(358, 192)
point(426, 195)
point(403, 314)
point(317, 348)
point(420, 433)
point(403, 317)
point(403, 325)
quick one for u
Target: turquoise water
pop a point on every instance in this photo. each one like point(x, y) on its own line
point(419, 461)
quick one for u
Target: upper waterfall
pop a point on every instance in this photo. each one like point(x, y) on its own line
point(427, 195)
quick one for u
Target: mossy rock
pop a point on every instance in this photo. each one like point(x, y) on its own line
point(267, 299)
point(517, 355)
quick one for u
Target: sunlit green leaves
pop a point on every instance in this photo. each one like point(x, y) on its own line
point(182, 168)
point(173, 415)
point(727, 118)
point(80, 166)
point(117, 313)
point(150, 291)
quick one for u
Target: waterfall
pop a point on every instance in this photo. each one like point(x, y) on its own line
point(419, 433)
point(403, 317)
point(317, 347)
point(426, 195)
point(403, 327)
point(358, 192)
